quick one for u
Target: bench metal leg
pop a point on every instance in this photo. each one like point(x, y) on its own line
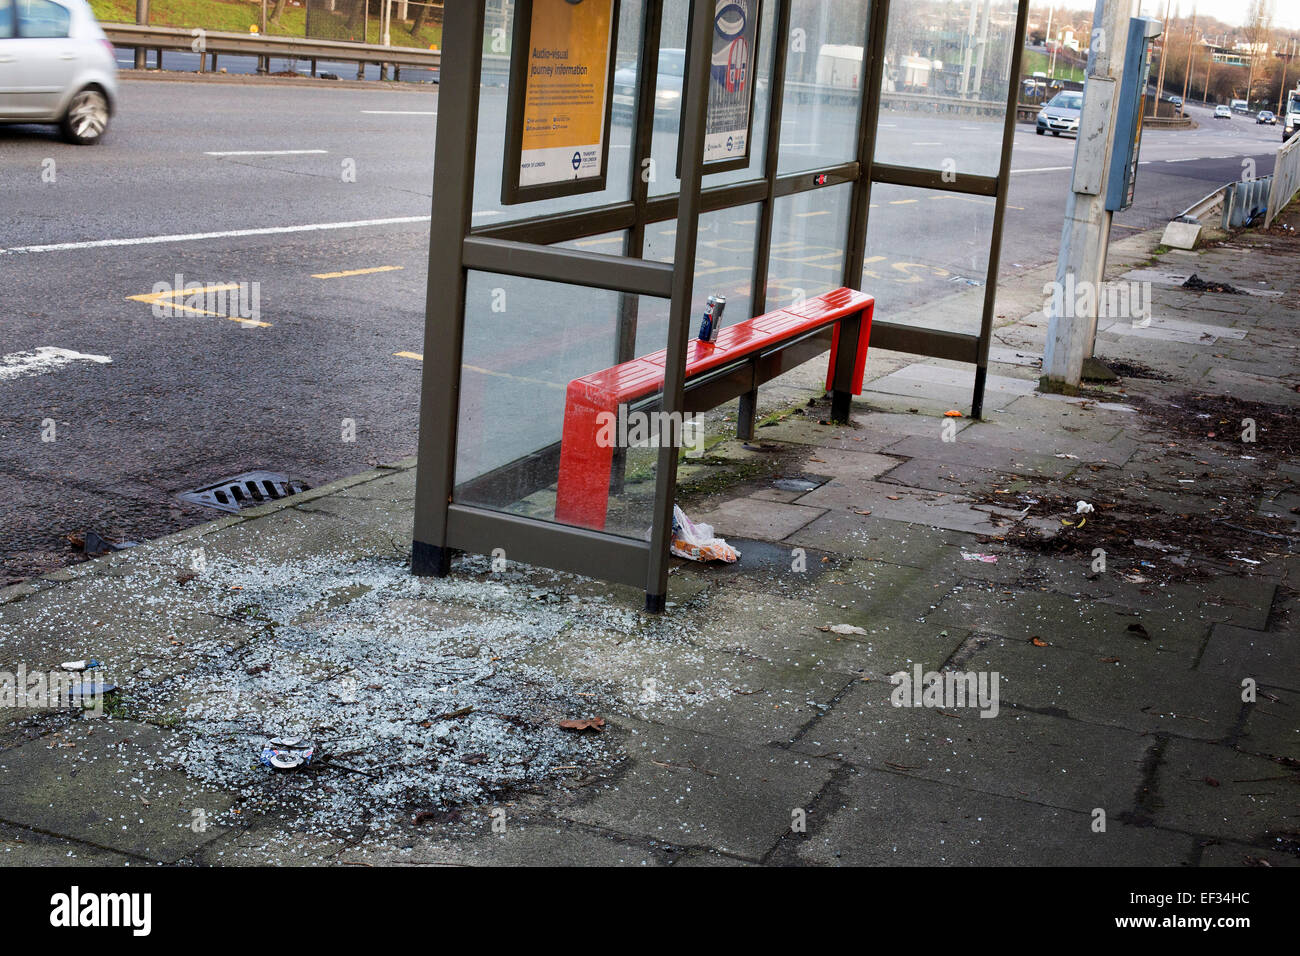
point(745, 416)
point(846, 356)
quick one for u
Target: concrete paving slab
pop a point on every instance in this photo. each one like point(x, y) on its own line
point(883, 818)
point(1046, 760)
point(1217, 792)
point(1270, 657)
point(698, 790)
point(755, 518)
point(76, 785)
point(1270, 728)
point(746, 699)
point(1128, 693)
point(531, 843)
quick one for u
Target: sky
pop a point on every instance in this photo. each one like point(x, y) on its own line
point(1286, 13)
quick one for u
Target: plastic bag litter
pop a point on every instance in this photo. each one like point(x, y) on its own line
point(697, 542)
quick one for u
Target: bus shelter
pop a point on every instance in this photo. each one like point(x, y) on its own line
point(604, 167)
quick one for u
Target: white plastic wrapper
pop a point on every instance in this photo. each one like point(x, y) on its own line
point(696, 542)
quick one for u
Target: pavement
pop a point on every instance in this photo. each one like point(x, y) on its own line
point(1134, 669)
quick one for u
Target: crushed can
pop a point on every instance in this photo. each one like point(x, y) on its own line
point(712, 320)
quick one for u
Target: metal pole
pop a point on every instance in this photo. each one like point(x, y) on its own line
point(999, 215)
point(263, 62)
point(1191, 44)
point(1160, 79)
point(142, 18)
point(444, 307)
point(695, 109)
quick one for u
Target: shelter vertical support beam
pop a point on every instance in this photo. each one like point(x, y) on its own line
point(868, 117)
point(629, 306)
point(767, 212)
point(444, 304)
point(695, 109)
point(999, 214)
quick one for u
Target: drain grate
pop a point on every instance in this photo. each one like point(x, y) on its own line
point(248, 490)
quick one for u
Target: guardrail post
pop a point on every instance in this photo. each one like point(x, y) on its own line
point(361, 69)
point(142, 18)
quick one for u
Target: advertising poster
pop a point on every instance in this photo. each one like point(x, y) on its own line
point(731, 80)
point(558, 121)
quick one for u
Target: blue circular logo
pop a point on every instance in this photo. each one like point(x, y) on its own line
point(729, 20)
point(731, 144)
point(577, 161)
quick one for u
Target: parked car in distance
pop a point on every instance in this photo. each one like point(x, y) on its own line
point(1061, 114)
point(1222, 112)
point(1265, 116)
point(56, 67)
point(1176, 101)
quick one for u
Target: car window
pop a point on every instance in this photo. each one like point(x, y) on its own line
point(1069, 101)
point(6, 19)
point(42, 18)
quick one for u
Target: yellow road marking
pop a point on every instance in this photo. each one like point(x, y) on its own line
point(155, 298)
point(900, 202)
point(355, 272)
point(598, 242)
point(820, 212)
point(411, 355)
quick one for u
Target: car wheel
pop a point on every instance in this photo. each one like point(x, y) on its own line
point(1056, 132)
point(87, 117)
point(1041, 132)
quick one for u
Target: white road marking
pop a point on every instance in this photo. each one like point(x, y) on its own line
point(266, 152)
point(227, 234)
point(42, 360)
point(402, 112)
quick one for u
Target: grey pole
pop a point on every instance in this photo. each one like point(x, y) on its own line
point(1086, 231)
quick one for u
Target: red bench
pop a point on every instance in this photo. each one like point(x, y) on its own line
point(753, 352)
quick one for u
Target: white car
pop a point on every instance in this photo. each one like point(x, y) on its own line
point(1222, 112)
point(56, 66)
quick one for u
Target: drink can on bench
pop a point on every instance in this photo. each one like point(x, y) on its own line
point(712, 320)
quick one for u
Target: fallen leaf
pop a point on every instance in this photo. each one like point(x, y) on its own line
point(844, 629)
point(1139, 630)
point(952, 413)
point(1038, 642)
point(1211, 781)
point(579, 726)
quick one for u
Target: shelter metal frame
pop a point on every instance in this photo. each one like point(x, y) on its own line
point(527, 248)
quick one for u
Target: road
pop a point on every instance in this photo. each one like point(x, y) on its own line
point(261, 180)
